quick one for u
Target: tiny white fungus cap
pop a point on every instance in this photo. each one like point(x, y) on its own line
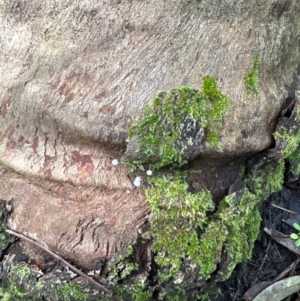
point(149, 172)
point(115, 162)
point(137, 182)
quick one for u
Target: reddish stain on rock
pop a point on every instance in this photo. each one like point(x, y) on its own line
point(70, 97)
point(55, 83)
point(48, 173)
point(49, 160)
point(5, 106)
point(45, 171)
point(10, 145)
point(68, 85)
point(85, 171)
point(45, 99)
point(100, 95)
point(77, 157)
point(85, 166)
point(108, 110)
point(48, 164)
point(9, 131)
point(35, 144)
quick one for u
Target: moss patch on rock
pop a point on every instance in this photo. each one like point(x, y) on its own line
point(176, 124)
point(251, 79)
point(176, 217)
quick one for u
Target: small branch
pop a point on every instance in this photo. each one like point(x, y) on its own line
point(284, 209)
point(89, 279)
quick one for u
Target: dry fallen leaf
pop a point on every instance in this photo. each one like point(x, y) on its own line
point(284, 240)
point(254, 290)
point(257, 288)
point(280, 290)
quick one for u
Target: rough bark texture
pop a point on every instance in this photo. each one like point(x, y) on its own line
point(76, 74)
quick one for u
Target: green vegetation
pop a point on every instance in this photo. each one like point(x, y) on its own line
point(251, 79)
point(160, 131)
point(137, 291)
point(121, 265)
point(24, 285)
point(211, 292)
point(70, 291)
point(291, 151)
point(19, 286)
point(267, 180)
point(4, 237)
point(176, 216)
point(296, 236)
point(294, 160)
point(21, 271)
point(240, 219)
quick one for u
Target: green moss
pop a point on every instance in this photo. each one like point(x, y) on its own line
point(210, 292)
point(22, 285)
point(251, 79)
point(267, 180)
point(137, 291)
point(291, 151)
point(121, 265)
point(70, 291)
point(233, 228)
point(294, 160)
point(238, 212)
point(4, 236)
point(176, 215)
point(292, 141)
point(160, 130)
point(210, 247)
point(183, 226)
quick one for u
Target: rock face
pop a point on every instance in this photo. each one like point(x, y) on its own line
point(76, 74)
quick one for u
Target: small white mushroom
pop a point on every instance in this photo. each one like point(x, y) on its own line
point(149, 172)
point(115, 162)
point(137, 182)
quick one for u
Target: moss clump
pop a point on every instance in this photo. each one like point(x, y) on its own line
point(211, 246)
point(294, 160)
point(239, 213)
point(251, 78)
point(23, 284)
point(121, 265)
point(137, 291)
point(171, 116)
point(176, 216)
point(234, 228)
point(70, 291)
point(186, 234)
point(267, 180)
point(182, 229)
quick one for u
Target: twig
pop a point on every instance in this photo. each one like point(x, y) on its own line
point(89, 279)
point(284, 209)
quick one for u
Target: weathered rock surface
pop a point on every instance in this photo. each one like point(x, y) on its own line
point(76, 74)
